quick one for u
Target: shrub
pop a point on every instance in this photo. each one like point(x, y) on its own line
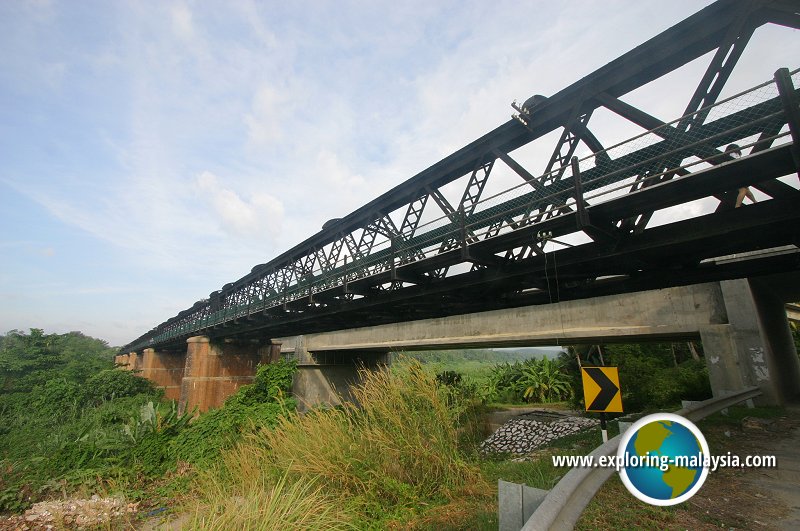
point(251, 408)
point(449, 378)
point(272, 383)
point(113, 383)
point(56, 395)
point(537, 380)
point(221, 428)
point(397, 448)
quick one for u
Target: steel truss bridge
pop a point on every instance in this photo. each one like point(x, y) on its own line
point(443, 243)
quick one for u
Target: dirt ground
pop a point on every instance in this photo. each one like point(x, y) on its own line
point(750, 498)
point(731, 498)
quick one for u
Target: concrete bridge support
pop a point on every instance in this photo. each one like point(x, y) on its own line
point(755, 347)
point(165, 370)
point(742, 324)
point(327, 378)
point(214, 371)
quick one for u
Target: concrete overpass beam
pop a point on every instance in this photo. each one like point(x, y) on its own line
point(666, 314)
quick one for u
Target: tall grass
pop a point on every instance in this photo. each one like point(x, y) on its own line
point(261, 503)
point(395, 451)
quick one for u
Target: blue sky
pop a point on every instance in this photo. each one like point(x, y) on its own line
point(151, 152)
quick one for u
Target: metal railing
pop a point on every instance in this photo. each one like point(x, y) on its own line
point(564, 504)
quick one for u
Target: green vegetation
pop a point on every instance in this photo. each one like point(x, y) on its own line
point(543, 380)
point(69, 421)
point(653, 376)
point(406, 456)
point(451, 357)
point(388, 458)
point(475, 366)
point(255, 406)
point(30, 360)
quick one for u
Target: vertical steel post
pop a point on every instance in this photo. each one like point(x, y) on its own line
point(345, 275)
point(392, 255)
point(582, 216)
point(790, 105)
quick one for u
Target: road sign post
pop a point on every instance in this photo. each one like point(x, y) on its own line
point(601, 393)
point(603, 427)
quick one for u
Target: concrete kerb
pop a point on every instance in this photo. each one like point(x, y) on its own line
point(516, 503)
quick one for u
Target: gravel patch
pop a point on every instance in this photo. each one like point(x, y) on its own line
point(70, 514)
point(521, 436)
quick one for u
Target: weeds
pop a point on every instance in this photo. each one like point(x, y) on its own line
point(390, 456)
point(249, 499)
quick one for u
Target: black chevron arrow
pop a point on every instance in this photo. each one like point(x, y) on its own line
point(608, 389)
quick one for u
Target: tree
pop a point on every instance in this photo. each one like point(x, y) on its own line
point(545, 381)
point(652, 375)
point(25, 360)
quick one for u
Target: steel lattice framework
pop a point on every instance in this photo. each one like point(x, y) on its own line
point(413, 253)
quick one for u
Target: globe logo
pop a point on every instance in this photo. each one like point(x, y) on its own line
point(664, 459)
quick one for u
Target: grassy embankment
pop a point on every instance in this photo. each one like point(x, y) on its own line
point(407, 459)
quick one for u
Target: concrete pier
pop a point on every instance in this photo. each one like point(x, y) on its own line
point(327, 378)
point(755, 347)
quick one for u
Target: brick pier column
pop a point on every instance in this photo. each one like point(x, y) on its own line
point(165, 370)
point(121, 361)
point(134, 362)
point(214, 371)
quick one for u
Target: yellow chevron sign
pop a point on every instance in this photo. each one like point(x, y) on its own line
point(601, 392)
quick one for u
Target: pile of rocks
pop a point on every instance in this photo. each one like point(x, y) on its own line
point(71, 514)
point(521, 436)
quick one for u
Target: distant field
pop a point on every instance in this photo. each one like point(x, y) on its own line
point(476, 371)
point(475, 364)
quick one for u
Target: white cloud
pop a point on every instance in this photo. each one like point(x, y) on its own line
point(182, 21)
point(265, 121)
point(197, 141)
point(259, 213)
point(336, 174)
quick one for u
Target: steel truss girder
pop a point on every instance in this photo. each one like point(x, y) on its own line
point(469, 200)
point(719, 70)
point(574, 131)
point(765, 109)
point(690, 39)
